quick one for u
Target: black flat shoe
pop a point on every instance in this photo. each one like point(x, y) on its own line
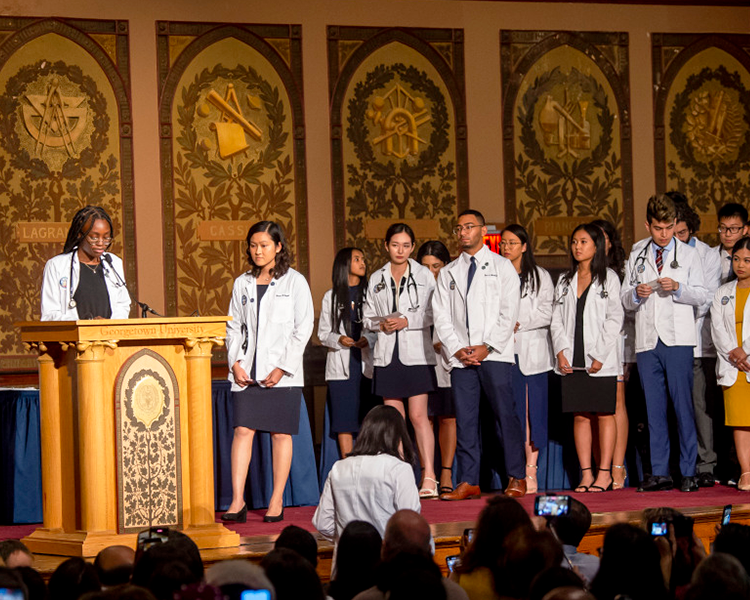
point(656, 483)
point(276, 519)
point(689, 484)
point(237, 517)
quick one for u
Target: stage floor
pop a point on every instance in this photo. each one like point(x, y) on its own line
point(448, 520)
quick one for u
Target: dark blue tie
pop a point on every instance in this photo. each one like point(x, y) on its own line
point(472, 270)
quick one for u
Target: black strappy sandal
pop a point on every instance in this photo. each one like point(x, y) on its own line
point(582, 489)
point(597, 489)
point(444, 489)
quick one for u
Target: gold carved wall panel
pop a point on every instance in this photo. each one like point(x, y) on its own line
point(566, 135)
point(398, 134)
point(702, 120)
point(65, 142)
point(232, 152)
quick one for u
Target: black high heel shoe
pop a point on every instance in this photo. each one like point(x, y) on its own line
point(276, 519)
point(237, 517)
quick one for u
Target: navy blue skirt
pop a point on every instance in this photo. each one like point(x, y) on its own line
point(538, 389)
point(344, 397)
point(398, 380)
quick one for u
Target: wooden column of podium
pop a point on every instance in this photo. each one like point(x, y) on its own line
point(79, 366)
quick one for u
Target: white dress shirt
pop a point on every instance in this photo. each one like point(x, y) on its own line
point(365, 488)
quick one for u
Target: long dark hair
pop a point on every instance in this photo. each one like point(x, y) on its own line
point(277, 235)
point(82, 223)
point(384, 432)
point(340, 312)
point(529, 274)
point(616, 254)
point(434, 248)
point(738, 245)
point(599, 262)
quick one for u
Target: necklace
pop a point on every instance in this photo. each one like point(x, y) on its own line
point(93, 269)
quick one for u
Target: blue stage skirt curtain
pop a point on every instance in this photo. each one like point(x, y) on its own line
point(302, 488)
point(20, 460)
point(329, 448)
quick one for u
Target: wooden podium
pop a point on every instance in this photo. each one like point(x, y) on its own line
point(126, 430)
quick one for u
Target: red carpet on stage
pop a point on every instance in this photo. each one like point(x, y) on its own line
point(437, 511)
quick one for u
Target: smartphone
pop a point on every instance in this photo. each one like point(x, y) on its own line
point(11, 594)
point(255, 595)
point(451, 561)
point(469, 535)
point(152, 536)
point(726, 515)
point(659, 528)
point(551, 506)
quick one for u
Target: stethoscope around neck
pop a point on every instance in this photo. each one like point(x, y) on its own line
point(603, 294)
point(411, 289)
point(71, 300)
point(640, 262)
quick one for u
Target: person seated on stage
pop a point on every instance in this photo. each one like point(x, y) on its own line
point(498, 519)
point(684, 547)
point(374, 481)
point(526, 553)
point(570, 530)
point(34, 583)
point(301, 541)
point(14, 553)
point(357, 558)
point(734, 539)
point(719, 576)
point(553, 579)
point(86, 281)
point(292, 576)
point(408, 532)
point(72, 579)
point(10, 579)
point(630, 566)
point(233, 577)
point(114, 565)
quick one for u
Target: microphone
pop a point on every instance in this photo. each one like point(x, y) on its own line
point(145, 308)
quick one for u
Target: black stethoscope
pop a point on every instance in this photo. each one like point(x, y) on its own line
point(411, 290)
point(566, 286)
point(640, 262)
point(105, 258)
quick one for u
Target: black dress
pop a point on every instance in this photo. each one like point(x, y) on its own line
point(274, 409)
point(92, 297)
point(580, 391)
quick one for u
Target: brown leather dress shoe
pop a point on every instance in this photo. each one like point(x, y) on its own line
point(516, 488)
point(463, 491)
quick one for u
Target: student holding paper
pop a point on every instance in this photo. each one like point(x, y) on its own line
point(399, 307)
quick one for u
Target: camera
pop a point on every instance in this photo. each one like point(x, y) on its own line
point(551, 506)
point(450, 561)
point(659, 528)
point(255, 595)
point(726, 515)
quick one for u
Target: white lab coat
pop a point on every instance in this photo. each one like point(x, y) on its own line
point(725, 260)
point(724, 331)
point(337, 358)
point(286, 315)
point(602, 323)
point(492, 306)
point(711, 262)
point(57, 288)
point(414, 341)
point(665, 316)
point(533, 341)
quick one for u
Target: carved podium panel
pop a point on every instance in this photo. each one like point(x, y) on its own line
point(127, 438)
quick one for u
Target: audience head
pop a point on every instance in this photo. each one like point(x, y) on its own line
point(552, 579)
point(34, 583)
point(732, 224)
point(734, 539)
point(719, 576)
point(500, 517)
point(301, 541)
point(630, 565)
point(571, 528)
point(384, 431)
point(526, 553)
point(357, 558)
point(569, 593)
point(292, 576)
point(114, 565)
point(164, 567)
point(408, 576)
point(127, 592)
point(14, 553)
point(406, 531)
point(11, 579)
point(72, 579)
point(233, 577)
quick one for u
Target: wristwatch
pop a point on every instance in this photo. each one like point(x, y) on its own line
point(490, 349)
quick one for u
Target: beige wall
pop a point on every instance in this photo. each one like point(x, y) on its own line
point(481, 22)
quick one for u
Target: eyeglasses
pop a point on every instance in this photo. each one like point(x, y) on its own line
point(95, 241)
point(506, 244)
point(460, 228)
point(732, 230)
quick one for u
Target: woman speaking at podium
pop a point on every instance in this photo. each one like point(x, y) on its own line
point(85, 281)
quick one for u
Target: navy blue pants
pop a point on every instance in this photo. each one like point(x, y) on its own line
point(494, 379)
point(669, 368)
